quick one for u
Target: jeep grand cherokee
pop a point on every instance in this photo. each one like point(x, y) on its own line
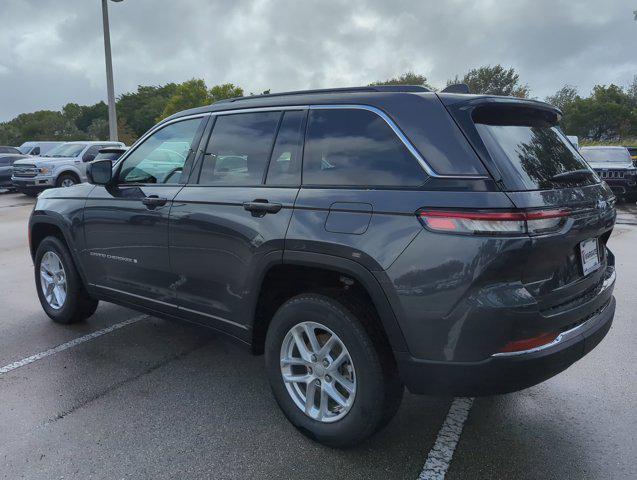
point(364, 239)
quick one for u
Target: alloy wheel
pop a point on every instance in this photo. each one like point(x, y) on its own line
point(318, 372)
point(53, 280)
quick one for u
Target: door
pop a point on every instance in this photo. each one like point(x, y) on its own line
point(126, 224)
point(232, 218)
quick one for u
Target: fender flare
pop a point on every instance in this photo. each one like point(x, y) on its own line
point(347, 267)
point(40, 217)
point(67, 169)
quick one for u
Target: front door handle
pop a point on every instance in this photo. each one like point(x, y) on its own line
point(259, 207)
point(154, 201)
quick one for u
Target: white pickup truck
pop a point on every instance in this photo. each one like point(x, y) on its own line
point(63, 166)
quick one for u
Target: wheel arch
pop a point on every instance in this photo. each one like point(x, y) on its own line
point(338, 266)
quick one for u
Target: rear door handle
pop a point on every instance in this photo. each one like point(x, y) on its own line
point(153, 201)
point(260, 207)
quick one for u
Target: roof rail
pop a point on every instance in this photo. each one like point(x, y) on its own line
point(371, 88)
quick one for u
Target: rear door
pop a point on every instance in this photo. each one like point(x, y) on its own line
point(231, 218)
point(538, 168)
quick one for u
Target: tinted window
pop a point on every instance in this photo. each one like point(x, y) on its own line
point(356, 147)
point(528, 148)
point(285, 163)
point(239, 149)
point(161, 157)
point(109, 155)
point(9, 150)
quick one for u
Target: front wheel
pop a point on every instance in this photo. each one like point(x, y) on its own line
point(332, 375)
point(66, 180)
point(59, 286)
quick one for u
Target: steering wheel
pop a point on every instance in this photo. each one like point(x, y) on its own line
point(172, 172)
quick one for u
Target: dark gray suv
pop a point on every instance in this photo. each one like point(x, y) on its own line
point(364, 239)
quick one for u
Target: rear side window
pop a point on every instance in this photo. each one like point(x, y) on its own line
point(239, 149)
point(356, 147)
point(529, 148)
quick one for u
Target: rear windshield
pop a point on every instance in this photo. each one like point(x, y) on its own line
point(605, 155)
point(529, 149)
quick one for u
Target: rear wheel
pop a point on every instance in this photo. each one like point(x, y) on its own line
point(330, 373)
point(60, 289)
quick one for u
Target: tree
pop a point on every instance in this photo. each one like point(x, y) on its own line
point(88, 114)
point(98, 129)
point(563, 98)
point(493, 80)
point(140, 109)
point(189, 94)
point(41, 125)
point(226, 90)
point(608, 114)
point(408, 78)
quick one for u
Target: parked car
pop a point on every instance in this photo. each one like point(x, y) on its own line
point(110, 153)
point(615, 166)
point(6, 168)
point(63, 166)
point(633, 154)
point(38, 148)
point(364, 239)
point(13, 150)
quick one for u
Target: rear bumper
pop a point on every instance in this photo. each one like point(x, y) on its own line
point(506, 373)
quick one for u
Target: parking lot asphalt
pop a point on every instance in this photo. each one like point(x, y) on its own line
point(156, 399)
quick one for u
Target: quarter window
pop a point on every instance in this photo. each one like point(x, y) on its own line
point(162, 156)
point(355, 147)
point(239, 149)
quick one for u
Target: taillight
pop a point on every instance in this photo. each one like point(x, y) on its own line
point(532, 222)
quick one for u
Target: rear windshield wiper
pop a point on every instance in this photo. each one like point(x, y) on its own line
point(581, 174)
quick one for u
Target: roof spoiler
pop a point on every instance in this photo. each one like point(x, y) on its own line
point(456, 88)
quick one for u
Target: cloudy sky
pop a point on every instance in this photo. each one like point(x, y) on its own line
point(52, 52)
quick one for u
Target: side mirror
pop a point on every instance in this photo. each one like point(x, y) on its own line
point(100, 172)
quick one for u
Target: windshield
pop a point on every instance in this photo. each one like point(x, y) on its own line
point(66, 150)
point(529, 149)
point(25, 149)
point(606, 155)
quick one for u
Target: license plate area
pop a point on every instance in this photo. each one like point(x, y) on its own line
point(589, 250)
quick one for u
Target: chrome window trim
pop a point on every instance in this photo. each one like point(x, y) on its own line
point(150, 132)
point(398, 132)
point(346, 106)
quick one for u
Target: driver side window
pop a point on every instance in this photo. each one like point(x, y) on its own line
point(161, 157)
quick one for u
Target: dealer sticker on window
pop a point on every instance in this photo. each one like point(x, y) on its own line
point(590, 255)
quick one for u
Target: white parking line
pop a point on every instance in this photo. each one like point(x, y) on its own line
point(71, 344)
point(440, 455)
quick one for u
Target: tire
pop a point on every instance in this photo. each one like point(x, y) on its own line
point(377, 387)
point(77, 305)
point(65, 179)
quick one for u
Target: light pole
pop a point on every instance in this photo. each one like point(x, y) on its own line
point(112, 115)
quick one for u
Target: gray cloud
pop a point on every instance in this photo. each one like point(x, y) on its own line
point(52, 50)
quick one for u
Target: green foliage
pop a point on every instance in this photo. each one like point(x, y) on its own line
point(563, 98)
point(408, 78)
point(140, 109)
point(609, 114)
point(226, 90)
point(194, 93)
point(493, 80)
point(41, 125)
